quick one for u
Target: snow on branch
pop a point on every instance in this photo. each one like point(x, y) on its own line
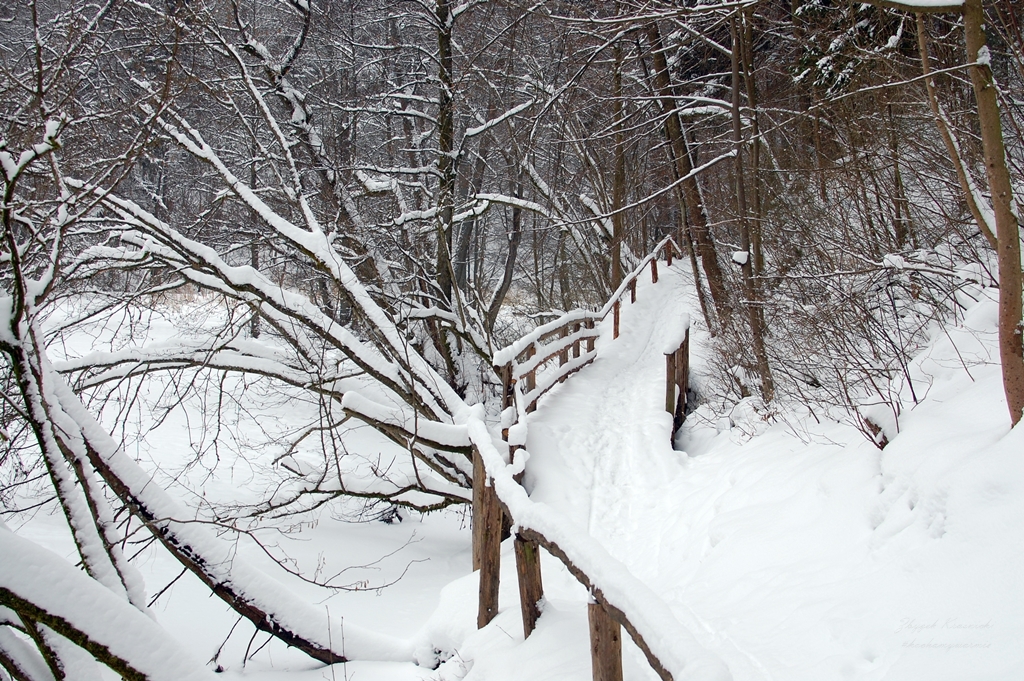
point(13, 168)
point(487, 125)
point(204, 266)
point(445, 436)
point(268, 604)
point(312, 242)
point(40, 586)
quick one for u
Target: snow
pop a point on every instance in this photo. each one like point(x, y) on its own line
point(893, 261)
point(375, 185)
point(796, 550)
point(984, 56)
point(788, 550)
point(44, 579)
point(912, 5)
point(441, 433)
point(673, 644)
point(218, 555)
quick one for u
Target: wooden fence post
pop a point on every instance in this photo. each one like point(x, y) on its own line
point(654, 270)
point(563, 355)
point(508, 395)
point(677, 378)
point(605, 644)
point(668, 254)
point(670, 383)
point(615, 319)
point(531, 376)
point(486, 541)
point(632, 290)
point(682, 379)
point(576, 343)
point(531, 588)
point(590, 341)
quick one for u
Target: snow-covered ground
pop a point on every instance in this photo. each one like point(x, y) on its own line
point(800, 553)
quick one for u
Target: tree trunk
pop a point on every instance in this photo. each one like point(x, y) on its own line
point(1011, 344)
point(469, 227)
point(510, 261)
point(966, 182)
point(619, 180)
point(900, 204)
point(750, 288)
point(747, 55)
point(445, 150)
point(696, 216)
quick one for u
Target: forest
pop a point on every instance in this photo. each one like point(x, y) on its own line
point(268, 267)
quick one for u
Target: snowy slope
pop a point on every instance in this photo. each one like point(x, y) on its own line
point(802, 553)
point(805, 557)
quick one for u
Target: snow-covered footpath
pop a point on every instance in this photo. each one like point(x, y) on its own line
point(801, 552)
point(797, 551)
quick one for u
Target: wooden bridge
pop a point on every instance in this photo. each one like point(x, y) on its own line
point(530, 368)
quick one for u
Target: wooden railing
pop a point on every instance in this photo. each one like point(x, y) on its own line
point(528, 372)
point(569, 339)
point(564, 339)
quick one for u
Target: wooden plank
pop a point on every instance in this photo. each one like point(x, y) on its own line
point(531, 588)
point(615, 319)
point(683, 368)
point(487, 514)
point(563, 354)
point(590, 341)
point(670, 383)
point(508, 382)
point(576, 343)
point(632, 290)
point(654, 271)
point(531, 376)
point(508, 399)
point(476, 519)
point(605, 644)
